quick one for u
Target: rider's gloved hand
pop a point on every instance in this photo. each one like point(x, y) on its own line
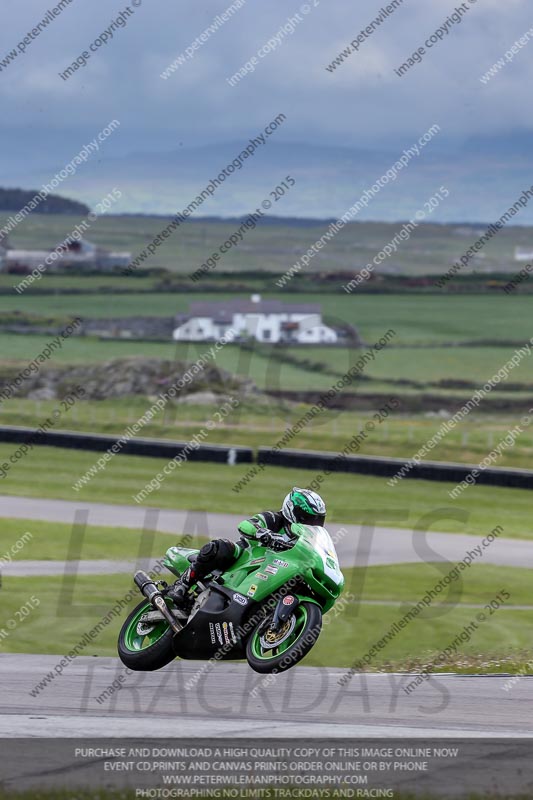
point(264, 536)
point(277, 543)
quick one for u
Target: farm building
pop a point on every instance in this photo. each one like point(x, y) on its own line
point(269, 321)
point(523, 253)
point(79, 254)
point(3, 252)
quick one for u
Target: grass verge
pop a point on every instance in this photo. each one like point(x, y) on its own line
point(51, 472)
point(55, 541)
point(71, 605)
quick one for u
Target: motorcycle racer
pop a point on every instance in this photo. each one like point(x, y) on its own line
point(269, 528)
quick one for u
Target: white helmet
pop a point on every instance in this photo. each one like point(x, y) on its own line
point(303, 505)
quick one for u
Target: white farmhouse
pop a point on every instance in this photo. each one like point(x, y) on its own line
point(523, 254)
point(269, 321)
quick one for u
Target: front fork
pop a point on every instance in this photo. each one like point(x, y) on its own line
point(285, 607)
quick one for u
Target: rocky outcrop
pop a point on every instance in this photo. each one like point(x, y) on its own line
point(121, 377)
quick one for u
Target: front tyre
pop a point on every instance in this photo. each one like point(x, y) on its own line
point(277, 651)
point(145, 648)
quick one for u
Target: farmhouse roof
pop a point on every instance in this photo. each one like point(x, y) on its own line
point(225, 309)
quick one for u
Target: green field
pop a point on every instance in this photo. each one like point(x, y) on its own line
point(431, 248)
point(262, 424)
point(51, 472)
point(423, 363)
point(76, 283)
point(423, 355)
point(422, 379)
point(53, 541)
point(471, 365)
point(424, 366)
point(428, 319)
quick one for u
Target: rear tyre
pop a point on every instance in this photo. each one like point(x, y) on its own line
point(269, 651)
point(145, 649)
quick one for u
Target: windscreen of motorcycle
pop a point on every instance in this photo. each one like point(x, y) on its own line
point(322, 543)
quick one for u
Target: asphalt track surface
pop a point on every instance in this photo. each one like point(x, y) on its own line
point(357, 546)
point(304, 702)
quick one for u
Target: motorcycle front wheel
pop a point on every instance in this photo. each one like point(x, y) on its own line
point(145, 647)
point(276, 651)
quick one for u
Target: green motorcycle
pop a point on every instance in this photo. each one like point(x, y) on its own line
point(266, 608)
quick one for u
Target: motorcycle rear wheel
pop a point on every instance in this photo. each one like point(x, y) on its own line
point(268, 651)
point(145, 652)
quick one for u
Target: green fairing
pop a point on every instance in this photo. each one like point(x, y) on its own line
point(312, 561)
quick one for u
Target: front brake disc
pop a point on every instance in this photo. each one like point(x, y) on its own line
point(271, 639)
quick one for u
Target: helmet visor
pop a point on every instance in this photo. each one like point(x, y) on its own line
point(308, 518)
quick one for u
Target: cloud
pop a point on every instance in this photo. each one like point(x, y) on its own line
point(362, 103)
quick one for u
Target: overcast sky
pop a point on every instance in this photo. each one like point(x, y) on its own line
point(363, 103)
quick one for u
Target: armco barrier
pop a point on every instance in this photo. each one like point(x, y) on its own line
point(157, 448)
point(297, 459)
point(388, 467)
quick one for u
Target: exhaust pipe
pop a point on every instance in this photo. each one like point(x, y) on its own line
point(148, 588)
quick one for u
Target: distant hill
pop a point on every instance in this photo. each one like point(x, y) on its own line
point(15, 199)
point(483, 176)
